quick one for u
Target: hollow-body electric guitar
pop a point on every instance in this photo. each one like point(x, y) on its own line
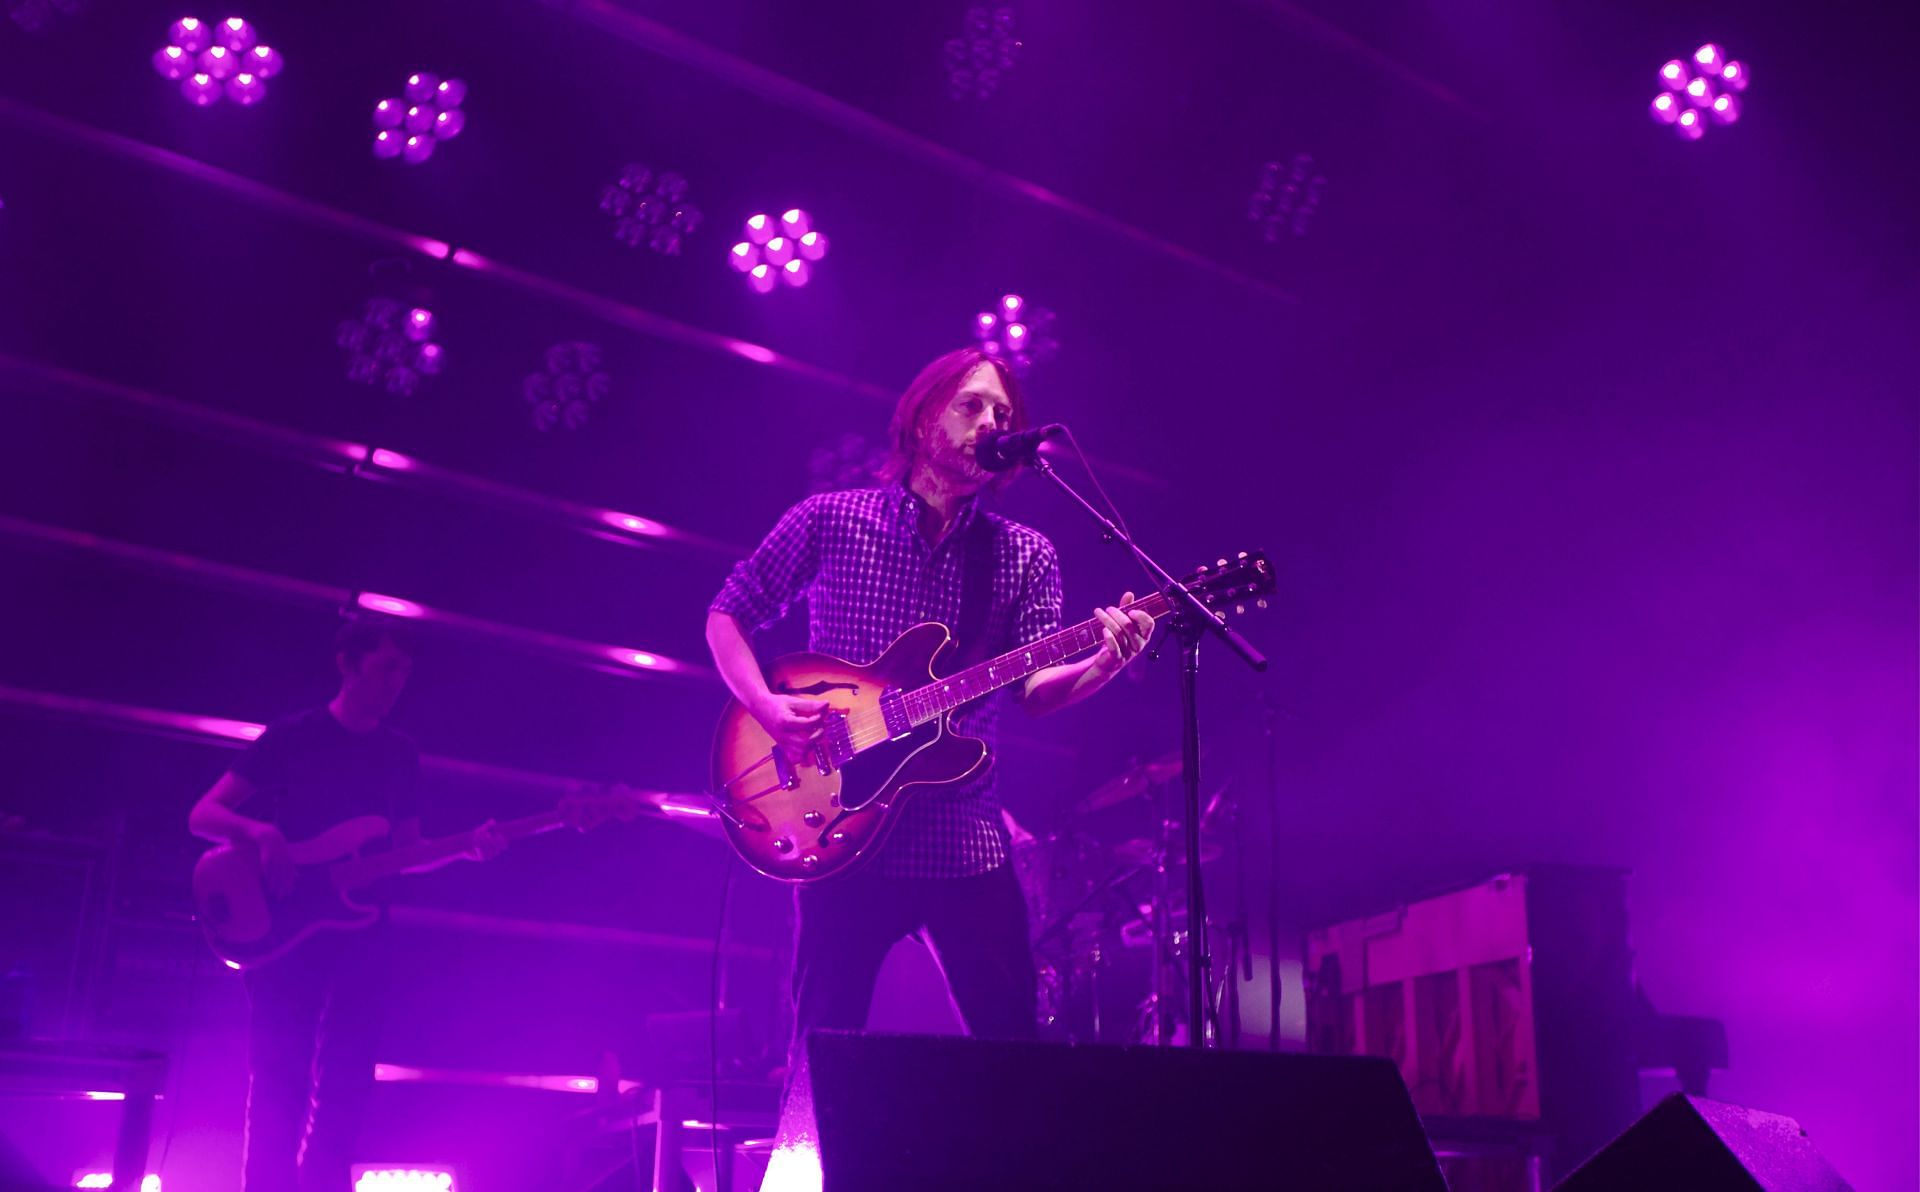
point(888, 734)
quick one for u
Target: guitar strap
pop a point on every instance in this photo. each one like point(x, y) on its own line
point(976, 592)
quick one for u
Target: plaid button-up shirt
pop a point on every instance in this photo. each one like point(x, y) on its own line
point(868, 574)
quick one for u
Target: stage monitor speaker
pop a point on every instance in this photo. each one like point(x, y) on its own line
point(927, 1112)
point(1696, 1145)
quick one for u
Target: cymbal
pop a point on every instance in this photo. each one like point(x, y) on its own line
point(1140, 852)
point(1136, 779)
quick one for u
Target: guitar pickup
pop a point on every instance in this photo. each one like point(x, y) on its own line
point(893, 710)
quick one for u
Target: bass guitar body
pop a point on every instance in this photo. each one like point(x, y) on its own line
point(246, 925)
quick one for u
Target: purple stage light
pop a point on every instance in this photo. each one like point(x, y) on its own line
point(391, 345)
point(1704, 87)
point(650, 207)
point(1016, 331)
point(426, 113)
point(104, 1179)
point(392, 606)
point(778, 250)
point(1286, 196)
point(984, 52)
point(566, 392)
point(402, 1179)
point(211, 62)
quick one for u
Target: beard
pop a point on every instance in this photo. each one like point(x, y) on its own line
point(955, 463)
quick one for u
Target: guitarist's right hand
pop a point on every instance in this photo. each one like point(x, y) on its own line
point(792, 721)
point(276, 859)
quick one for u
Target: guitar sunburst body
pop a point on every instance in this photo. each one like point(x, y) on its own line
point(818, 818)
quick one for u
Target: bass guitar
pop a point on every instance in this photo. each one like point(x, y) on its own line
point(247, 924)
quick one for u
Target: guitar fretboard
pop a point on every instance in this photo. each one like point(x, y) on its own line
point(360, 871)
point(944, 695)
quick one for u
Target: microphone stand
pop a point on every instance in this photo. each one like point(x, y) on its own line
point(1191, 621)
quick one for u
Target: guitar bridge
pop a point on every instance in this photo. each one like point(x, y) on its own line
point(835, 747)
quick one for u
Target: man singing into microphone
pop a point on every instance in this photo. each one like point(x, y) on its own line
point(872, 563)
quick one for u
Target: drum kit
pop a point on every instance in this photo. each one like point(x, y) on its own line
point(1106, 895)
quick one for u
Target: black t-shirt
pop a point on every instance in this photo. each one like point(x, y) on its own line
point(312, 773)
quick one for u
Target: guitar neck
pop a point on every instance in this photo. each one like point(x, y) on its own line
point(984, 678)
point(361, 871)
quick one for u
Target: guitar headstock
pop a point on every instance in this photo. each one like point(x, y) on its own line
point(1234, 585)
point(589, 808)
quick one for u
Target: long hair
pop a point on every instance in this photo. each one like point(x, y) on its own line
point(920, 406)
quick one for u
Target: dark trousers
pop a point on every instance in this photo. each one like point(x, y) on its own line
point(975, 926)
point(314, 1029)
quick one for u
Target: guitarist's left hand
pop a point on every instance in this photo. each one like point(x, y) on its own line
point(1123, 636)
point(488, 842)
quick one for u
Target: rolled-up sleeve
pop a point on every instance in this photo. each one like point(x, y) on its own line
point(764, 585)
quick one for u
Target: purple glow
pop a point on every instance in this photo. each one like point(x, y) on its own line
point(403, 1179)
point(209, 63)
point(234, 34)
point(393, 461)
point(172, 62)
point(639, 658)
point(200, 89)
point(236, 730)
point(753, 352)
point(393, 606)
point(630, 523)
point(189, 34)
point(426, 113)
point(688, 810)
point(1016, 331)
point(218, 63)
point(246, 89)
point(104, 1179)
point(772, 253)
point(1708, 81)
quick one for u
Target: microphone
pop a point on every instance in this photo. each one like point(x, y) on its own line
point(1001, 451)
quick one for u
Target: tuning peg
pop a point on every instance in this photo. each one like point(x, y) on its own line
point(1221, 563)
